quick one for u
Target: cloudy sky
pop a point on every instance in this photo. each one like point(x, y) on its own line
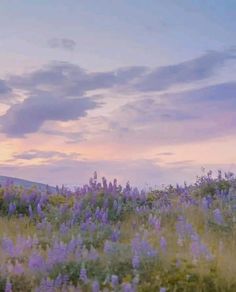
point(139, 90)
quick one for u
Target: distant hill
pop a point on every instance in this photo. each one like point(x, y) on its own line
point(24, 183)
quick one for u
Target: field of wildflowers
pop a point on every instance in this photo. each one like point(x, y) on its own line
point(105, 237)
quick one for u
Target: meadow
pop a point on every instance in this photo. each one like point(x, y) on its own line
point(105, 237)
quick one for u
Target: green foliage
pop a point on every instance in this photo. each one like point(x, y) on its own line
point(95, 270)
point(3, 281)
point(57, 200)
point(183, 278)
point(21, 283)
point(98, 238)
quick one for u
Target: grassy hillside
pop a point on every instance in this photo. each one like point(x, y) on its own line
point(105, 237)
point(24, 183)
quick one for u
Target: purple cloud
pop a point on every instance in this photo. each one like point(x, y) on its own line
point(49, 93)
point(224, 93)
point(4, 88)
point(186, 72)
point(65, 79)
point(28, 116)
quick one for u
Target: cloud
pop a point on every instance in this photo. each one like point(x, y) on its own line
point(4, 88)
point(53, 93)
point(174, 118)
point(28, 116)
point(183, 163)
point(73, 137)
point(7, 94)
point(145, 111)
point(222, 93)
point(186, 72)
point(165, 154)
point(57, 75)
point(65, 79)
point(38, 154)
point(62, 43)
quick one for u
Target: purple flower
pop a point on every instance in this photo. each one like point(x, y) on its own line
point(108, 248)
point(114, 281)
point(183, 228)
point(136, 262)
point(155, 222)
point(8, 287)
point(95, 176)
point(39, 210)
point(46, 285)
point(36, 262)
point(18, 269)
point(163, 243)
point(95, 286)
point(115, 205)
point(142, 248)
point(63, 229)
point(58, 253)
point(218, 216)
point(198, 249)
point(83, 275)
point(115, 235)
point(58, 282)
point(8, 246)
point(205, 204)
point(127, 287)
point(93, 254)
point(11, 208)
point(31, 214)
point(105, 217)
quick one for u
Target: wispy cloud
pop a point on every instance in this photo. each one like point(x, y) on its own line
point(38, 154)
point(62, 43)
point(181, 117)
point(165, 154)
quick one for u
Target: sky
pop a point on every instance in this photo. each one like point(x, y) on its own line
point(141, 91)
